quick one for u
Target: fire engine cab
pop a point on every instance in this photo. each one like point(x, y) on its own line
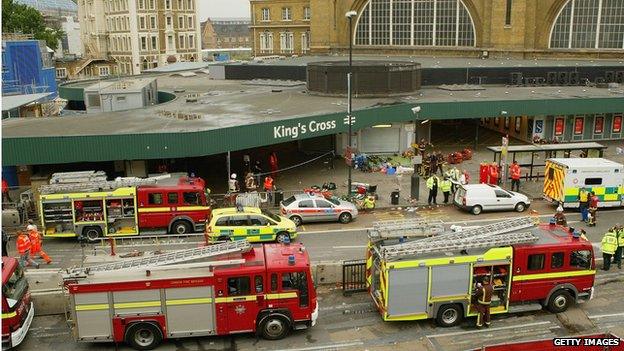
point(17, 307)
point(266, 289)
point(530, 266)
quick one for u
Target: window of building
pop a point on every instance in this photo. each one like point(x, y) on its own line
point(434, 23)
point(152, 22)
point(508, 13)
point(556, 260)
point(155, 198)
point(104, 72)
point(168, 21)
point(286, 42)
point(181, 41)
point(141, 22)
point(266, 14)
point(168, 4)
point(143, 43)
point(239, 286)
point(191, 39)
point(141, 4)
point(306, 13)
point(151, 4)
point(266, 42)
point(154, 43)
point(589, 24)
point(170, 41)
point(189, 4)
point(180, 22)
point(286, 14)
point(93, 100)
point(180, 4)
point(61, 72)
point(536, 262)
point(190, 22)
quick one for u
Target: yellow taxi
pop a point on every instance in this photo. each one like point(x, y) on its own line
point(249, 223)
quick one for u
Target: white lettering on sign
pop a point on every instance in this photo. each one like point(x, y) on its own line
point(295, 131)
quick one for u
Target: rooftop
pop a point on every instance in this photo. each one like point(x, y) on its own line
point(587, 162)
point(119, 86)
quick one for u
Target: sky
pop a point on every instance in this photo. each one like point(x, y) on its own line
point(223, 8)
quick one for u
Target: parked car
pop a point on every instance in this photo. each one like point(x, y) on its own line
point(485, 197)
point(302, 208)
point(251, 223)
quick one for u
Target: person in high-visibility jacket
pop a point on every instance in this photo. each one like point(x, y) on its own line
point(269, 187)
point(369, 203)
point(494, 173)
point(445, 186)
point(36, 246)
point(583, 198)
point(23, 248)
point(608, 247)
point(617, 259)
point(484, 299)
point(514, 171)
point(432, 184)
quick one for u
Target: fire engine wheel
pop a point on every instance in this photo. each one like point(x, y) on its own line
point(297, 220)
point(345, 218)
point(281, 237)
point(143, 336)
point(275, 327)
point(449, 315)
point(180, 227)
point(476, 210)
point(520, 207)
point(92, 233)
point(559, 301)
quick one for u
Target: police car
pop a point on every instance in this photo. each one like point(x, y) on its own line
point(302, 208)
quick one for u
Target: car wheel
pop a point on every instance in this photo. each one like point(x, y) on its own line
point(92, 233)
point(143, 336)
point(559, 301)
point(297, 220)
point(476, 210)
point(180, 227)
point(345, 218)
point(275, 327)
point(449, 315)
point(282, 237)
point(520, 207)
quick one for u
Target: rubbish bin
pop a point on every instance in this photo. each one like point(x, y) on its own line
point(279, 196)
point(394, 197)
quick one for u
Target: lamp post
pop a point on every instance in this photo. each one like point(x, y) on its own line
point(504, 146)
point(349, 119)
point(415, 184)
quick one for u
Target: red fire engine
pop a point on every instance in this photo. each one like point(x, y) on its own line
point(122, 207)
point(266, 289)
point(17, 308)
point(529, 266)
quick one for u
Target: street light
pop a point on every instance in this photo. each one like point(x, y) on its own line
point(415, 184)
point(350, 15)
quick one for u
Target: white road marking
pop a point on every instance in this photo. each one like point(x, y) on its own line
point(349, 247)
point(489, 329)
point(598, 316)
point(334, 231)
point(326, 347)
point(43, 271)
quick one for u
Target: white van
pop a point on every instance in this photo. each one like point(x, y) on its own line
point(484, 197)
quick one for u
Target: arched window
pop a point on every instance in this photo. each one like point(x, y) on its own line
point(415, 22)
point(589, 24)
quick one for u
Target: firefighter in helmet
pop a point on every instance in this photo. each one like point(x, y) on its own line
point(484, 299)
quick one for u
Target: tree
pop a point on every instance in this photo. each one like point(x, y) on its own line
point(18, 18)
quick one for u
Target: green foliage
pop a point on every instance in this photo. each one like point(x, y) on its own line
point(18, 18)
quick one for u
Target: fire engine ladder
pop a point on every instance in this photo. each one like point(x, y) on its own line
point(169, 258)
point(406, 228)
point(482, 231)
point(475, 242)
point(77, 177)
point(98, 185)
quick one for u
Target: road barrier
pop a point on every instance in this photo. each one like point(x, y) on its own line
point(353, 276)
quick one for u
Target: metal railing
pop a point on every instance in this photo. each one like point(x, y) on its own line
point(353, 276)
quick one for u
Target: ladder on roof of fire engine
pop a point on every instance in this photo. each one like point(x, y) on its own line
point(178, 256)
point(404, 228)
point(99, 185)
point(77, 177)
point(482, 231)
point(475, 242)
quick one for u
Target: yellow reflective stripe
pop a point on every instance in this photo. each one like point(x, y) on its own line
point(137, 304)
point(170, 208)
point(59, 235)
point(611, 197)
point(178, 302)
point(93, 307)
point(599, 190)
point(288, 295)
point(235, 299)
point(409, 317)
point(553, 275)
point(9, 315)
point(449, 298)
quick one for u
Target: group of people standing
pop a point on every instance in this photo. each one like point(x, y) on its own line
point(612, 246)
point(448, 184)
point(29, 245)
point(255, 179)
point(588, 205)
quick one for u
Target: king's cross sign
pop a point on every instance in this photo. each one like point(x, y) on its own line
point(346, 120)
